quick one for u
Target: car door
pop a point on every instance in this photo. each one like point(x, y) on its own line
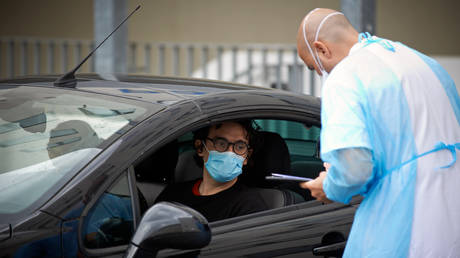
point(302, 230)
point(108, 224)
point(309, 229)
point(293, 231)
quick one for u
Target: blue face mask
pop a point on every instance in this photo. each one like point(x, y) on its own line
point(224, 166)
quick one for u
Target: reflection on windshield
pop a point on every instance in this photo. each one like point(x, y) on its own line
point(104, 112)
point(45, 135)
point(70, 136)
point(24, 123)
point(21, 187)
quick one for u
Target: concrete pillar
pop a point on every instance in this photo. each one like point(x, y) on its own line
point(361, 14)
point(111, 56)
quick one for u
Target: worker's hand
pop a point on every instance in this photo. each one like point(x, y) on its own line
point(316, 186)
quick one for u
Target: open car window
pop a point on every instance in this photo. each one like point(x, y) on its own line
point(295, 145)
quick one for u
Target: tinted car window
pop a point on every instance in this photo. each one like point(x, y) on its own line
point(46, 135)
point(110, 221)
point(302, 142)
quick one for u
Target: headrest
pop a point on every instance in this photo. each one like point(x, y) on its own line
point(270, 156)
point(160, 166)
point(187, 169)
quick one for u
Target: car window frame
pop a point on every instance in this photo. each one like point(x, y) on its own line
point(304, 117)
point(113, 250)
point(201, 120)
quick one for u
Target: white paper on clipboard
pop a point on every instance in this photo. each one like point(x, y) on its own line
point(276, 176)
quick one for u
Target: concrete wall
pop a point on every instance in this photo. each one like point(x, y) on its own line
point(430, 26)
point(47, 18)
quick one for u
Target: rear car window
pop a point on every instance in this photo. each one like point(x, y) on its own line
point(47, 135)
point(110, 221)
point(303, 144)
point(302, 140)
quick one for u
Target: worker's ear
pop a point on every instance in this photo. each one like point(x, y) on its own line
point(322, 49)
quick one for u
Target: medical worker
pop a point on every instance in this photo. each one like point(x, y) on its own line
point(391, 133)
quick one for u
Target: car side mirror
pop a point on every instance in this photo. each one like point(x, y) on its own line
point(169, 225)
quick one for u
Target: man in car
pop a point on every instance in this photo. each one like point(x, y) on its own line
point(221, 150)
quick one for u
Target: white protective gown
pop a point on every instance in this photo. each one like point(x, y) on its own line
point(391, 130)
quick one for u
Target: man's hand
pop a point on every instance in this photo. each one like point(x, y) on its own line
point(316, 186)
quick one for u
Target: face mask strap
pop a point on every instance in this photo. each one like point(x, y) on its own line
point(305, 37)
point(317, 34)
point(204, 144)
point(316, 57)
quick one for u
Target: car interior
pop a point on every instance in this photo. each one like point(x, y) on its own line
point(286, 147)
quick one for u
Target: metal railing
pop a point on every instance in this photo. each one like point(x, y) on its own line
point(269, 65)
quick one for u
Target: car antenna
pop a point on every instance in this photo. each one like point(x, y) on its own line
point(68, 80)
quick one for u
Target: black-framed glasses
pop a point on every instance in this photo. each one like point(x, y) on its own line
point(221, 145)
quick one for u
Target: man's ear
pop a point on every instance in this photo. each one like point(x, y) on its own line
point(322, 49)
point(248, 156)
point(198, 144)
point(250, 151)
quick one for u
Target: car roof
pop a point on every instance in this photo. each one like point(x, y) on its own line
point(153, 89)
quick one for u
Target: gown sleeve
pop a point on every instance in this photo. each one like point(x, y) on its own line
point(345, 141)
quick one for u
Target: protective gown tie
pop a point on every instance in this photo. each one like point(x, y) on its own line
point(440, 146)
point(367, 39)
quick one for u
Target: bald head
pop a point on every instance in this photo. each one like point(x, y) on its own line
point(327, 33)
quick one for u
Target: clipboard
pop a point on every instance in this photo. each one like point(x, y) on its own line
point(283, 177)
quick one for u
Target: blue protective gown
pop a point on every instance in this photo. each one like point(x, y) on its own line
point(391, 131)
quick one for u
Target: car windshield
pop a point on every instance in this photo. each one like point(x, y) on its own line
point(47, 135)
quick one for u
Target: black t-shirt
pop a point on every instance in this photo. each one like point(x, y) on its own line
point(235, 201)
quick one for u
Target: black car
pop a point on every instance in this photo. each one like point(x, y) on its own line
point(80, 168)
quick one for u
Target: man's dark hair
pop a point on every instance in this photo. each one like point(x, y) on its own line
point(201, 134)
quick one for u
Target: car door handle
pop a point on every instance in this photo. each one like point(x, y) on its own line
point(332, 250)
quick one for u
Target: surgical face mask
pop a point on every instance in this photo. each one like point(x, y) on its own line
point(315, 55)
point(224, 166)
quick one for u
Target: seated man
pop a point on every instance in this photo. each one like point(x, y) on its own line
point(223, 149)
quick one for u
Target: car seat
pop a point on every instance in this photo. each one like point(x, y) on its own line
point(309, 167)
point(156, 171)
point(276, 198)
point(272, 156)
point(186, 168)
